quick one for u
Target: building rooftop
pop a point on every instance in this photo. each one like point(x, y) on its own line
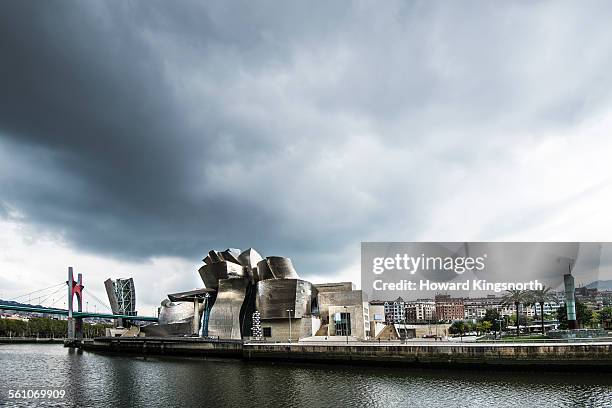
point(189, 295)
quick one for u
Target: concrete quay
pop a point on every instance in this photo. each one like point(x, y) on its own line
point(552, 355)
point(548, 355)
point(186, 346)
point(33, 340)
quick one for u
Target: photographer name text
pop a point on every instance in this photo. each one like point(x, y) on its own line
point(468, 285)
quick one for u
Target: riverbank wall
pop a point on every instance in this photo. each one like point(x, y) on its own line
point(546, 355)
point(187, 346)
point(11, 340)
point(475, 355)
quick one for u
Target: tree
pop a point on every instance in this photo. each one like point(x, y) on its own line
point(491, 315)
point(516, 298)
point(540, 297)
point(605, 316)
point(457, 327)
point(14, 328)
point(583, 315)
point(485, 326)
point(522, 320)
point(45, 327)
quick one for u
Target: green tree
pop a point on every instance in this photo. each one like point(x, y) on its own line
point(45, 327)
point(516, 298)
point(485, 326)
point(36, 327)
point(540, 297)
point(491, 315)
point(605, 316)
point(15, 328)
point(458, 327)
point(522, 320)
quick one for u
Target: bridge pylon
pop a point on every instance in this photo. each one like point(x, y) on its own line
point(75, 325)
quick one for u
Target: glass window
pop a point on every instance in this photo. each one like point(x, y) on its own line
point(343, 325)
point(267, 332)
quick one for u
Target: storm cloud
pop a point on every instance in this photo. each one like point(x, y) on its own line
point(148, 129)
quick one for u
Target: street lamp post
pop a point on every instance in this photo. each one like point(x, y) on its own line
point(404, 336)
point(289, 314)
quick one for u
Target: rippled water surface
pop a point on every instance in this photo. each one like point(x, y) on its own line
point(99, 380)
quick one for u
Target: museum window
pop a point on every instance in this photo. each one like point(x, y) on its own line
point(314, 307)
point(267, 332)
point(343, 324)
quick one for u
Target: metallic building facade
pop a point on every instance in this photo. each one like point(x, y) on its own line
point(121, 295)
point(226, 320)
point(281, 268)
point(232, 274)
point(237, 283)
point(249, 259)
point(211, 274)
point(175, 312)
point(263, 270)
point(275, 296)
point(246, 282)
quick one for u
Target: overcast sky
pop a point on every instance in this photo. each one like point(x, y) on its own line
point(135, 136)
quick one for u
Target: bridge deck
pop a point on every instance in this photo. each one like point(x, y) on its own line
point(64, 312)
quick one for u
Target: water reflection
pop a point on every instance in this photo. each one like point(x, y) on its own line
point(99, 380)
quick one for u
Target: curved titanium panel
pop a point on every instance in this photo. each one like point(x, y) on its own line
point(249, 259)
point(214, 256)
point(263, 270)
point(211, 274)
point(231, 255)
point(224, 320)
point(282, 268)
point(175, 312)
point(208, 276)
point(275, 296)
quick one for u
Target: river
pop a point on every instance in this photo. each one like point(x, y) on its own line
point(101, 380)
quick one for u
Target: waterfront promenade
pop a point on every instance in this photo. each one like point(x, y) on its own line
point(555, 355)
point(35, 340)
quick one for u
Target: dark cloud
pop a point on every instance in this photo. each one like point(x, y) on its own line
point(87, 104)
point(154, 128)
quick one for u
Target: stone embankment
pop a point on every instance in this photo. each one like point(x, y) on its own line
point(552, 355)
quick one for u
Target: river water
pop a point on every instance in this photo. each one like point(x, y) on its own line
point(101, 380)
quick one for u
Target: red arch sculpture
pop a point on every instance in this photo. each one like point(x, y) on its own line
point(75, 326)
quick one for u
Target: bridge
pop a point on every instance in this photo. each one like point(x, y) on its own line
point(64, 312)
point(74, 317)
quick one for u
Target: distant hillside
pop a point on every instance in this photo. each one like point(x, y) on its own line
point(11, 303)
point(600, 285)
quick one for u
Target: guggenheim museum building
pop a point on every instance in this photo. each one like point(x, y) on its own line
point(248, 297)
